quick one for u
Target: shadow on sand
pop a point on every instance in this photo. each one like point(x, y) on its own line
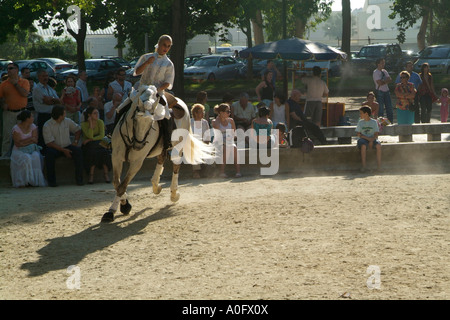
point(62, 252)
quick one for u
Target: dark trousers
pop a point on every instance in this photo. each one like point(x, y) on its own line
point(425, 108)
point(41, 120)
point(50, 159)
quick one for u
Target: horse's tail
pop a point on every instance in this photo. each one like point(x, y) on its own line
point(190, 149)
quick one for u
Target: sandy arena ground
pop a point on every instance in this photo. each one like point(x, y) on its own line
point(281, 237)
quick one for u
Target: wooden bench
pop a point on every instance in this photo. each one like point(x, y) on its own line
point(403, 131)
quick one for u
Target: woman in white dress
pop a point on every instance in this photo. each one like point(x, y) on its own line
point(26, 160)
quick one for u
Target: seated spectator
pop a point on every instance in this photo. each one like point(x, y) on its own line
point(262, 126)
point(94, 155)
point(202, 98)
point(119, 85)
point(265, 89)
point(298, 118)
point(282, 135)
point(279, 110)
point(110, 112)
point(56, 134)
point(26, 159)
point(110, 77)
point(243, 112)
point(367, 131)
point(370, 102)
point(98, 94)
point(71, 99)
point(200, 128)
point(225, 124)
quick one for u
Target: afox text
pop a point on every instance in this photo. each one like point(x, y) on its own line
point(246, 309)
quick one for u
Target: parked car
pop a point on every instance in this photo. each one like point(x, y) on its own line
point(124, 63)
point(409, 55)
point(189, 60)
point(34, 66)
point(97, 69)
point(129, 76)
point(213, 67)
point(3, 64)
point(58, 64)
point(438, 57)
point(365, 59)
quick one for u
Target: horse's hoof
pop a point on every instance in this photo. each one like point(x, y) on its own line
point(157, 189)
point(125, 208)
point(108, 217)
point(175, 197)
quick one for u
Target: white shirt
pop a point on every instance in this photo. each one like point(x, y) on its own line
point(107, 107)
point(83, 89)
point(59, 133)
point(125, 90)
point(39, 92)
point(159, 72)
point(380, 75)
point(316, 88)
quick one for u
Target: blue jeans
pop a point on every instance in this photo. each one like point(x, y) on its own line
point(384, 100)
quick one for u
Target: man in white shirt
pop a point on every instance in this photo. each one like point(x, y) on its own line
point(110, 112)
point(82, 85)
point(44, 98)
point(120, 85)
point(316, 89)
point(381, 79)
point(56, 133)
point(243, 112)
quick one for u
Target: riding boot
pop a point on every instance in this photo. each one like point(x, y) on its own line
point(166, 128)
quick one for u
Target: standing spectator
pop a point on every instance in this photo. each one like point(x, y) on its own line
point(415, 79)
point(99, 96)
point(381, 79)
point(82, 86)
point(279, 110)
point(71, 99)
point(316, 89)
point(426, 93)
point(110, 112)
point(14, 98)
point(405, 93)
point(109, 78)
point(44, 98)
point(120, 85)
point(372, 104)
point(25, 72)
point(94, 155)
point(56, 133)
point(243, 112)
point(275, 72)
point(265, 89)
point(298, 118)
point(367, 131)
point(26, 160)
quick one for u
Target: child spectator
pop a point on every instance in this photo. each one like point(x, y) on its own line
point(202, 98)
point(282, 135)
point(443, 99)
point(367, 132)
point(372, 104)
point(261, 123)
point(200, 128)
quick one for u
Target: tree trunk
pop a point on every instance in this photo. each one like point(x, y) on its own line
point(248, 33)
point(346, 25)
point(80, 37)
point(257, 24)
point(423, 30)
point(179, 45)
point(300, 27)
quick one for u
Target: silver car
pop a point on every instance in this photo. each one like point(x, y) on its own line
point(438, 57)
point(213, 67)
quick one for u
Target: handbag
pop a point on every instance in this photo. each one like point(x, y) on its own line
point(105, 142)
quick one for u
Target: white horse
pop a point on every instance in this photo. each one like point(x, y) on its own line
point(137, 137)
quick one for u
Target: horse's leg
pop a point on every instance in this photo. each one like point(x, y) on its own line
point(158, 171)
point(174, 195)
point(117, 164)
